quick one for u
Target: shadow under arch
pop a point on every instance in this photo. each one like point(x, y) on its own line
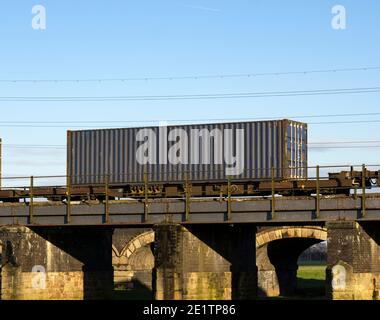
point(278, 251)
point(133, 268)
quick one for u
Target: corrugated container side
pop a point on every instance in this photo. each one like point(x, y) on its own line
point(296, 150)
point(93, 154)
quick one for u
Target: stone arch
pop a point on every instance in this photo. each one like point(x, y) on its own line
point(278, 250)
point(138, 242)
point(115, 252)
point(273, 234)
point(133, 245)
point(133, 265)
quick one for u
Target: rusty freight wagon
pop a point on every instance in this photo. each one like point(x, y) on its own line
point(221, 160)
point(200, 153)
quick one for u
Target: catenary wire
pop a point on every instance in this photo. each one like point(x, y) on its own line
point(192, 77)
point(193, 120)
point(207, 96)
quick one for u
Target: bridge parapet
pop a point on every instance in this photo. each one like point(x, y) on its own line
point(195, 211)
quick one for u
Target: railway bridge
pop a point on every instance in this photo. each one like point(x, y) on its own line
point(198, 248)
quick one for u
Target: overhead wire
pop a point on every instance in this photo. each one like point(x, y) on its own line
point(240, 95)
point(193, 120)
point(85, 127)
point(192, 77)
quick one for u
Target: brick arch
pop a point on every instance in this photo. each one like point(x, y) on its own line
point(133, 265)
point(115, 252)
point(311, 232)
point(133, 245)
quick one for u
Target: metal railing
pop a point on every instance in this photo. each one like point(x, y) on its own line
point(31, 192)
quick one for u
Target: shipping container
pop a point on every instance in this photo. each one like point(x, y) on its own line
point(199, 153)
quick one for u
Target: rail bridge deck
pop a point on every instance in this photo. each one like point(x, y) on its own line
point(193, 211)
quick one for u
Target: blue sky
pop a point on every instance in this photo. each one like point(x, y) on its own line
point(146, 38)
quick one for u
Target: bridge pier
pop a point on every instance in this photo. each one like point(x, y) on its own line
point(56, 264)
point(205, 262)
point(353, 260)
point(267, 279)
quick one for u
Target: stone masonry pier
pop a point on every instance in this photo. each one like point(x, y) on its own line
point(204, 262)
point(56, 263)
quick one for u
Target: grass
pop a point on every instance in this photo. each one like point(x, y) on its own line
point(312, 263)
point(312, 272)
point(311, 282)
point(310, 285)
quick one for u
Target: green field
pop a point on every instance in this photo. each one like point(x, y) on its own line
point(310, 285)
point(311, 281)
point(312, 272)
